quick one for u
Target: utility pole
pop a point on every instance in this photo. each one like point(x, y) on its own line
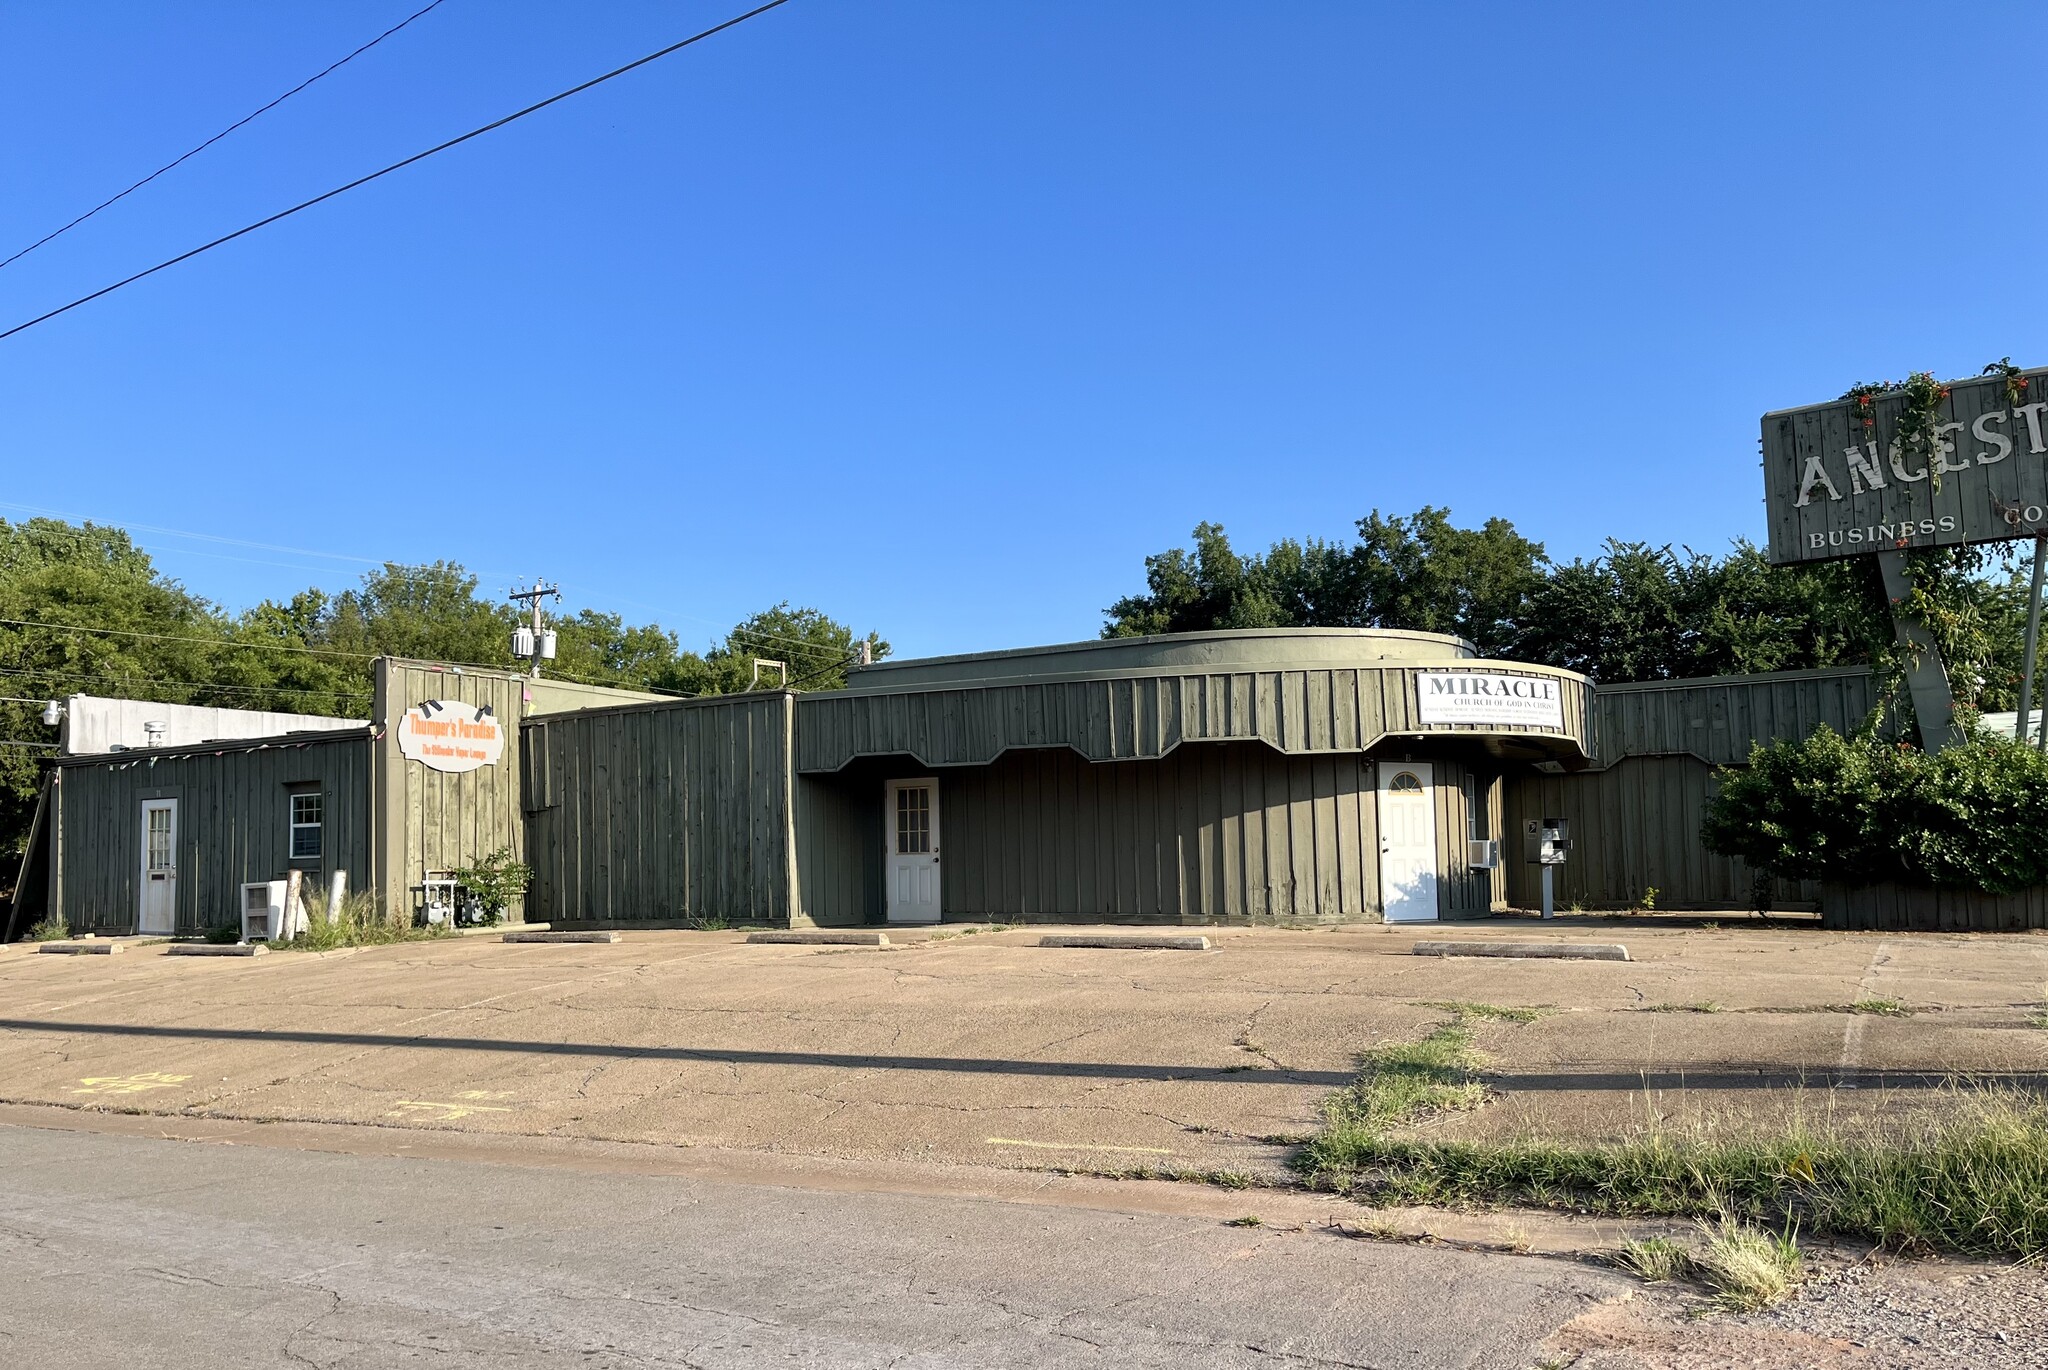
point(535, 643)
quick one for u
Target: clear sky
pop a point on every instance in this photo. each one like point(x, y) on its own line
point(940, 316)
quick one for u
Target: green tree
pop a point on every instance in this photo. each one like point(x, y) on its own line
point(85, 610)
point(818, 650)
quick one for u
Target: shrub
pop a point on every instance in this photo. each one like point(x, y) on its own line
point(51, 929)
point(495, 882)
point(1860, 810)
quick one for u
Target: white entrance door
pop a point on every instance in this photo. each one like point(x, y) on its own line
point(913, 852)
point(1407, 841)
point(159, 911)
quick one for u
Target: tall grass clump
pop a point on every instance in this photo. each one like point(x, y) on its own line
point(51, 929)
point(1973, 1180)
point(354, 923)
point(1747, 1269)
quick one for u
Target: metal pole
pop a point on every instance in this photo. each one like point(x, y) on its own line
point(536, 628)
point(2019, 730)
point(1549, 911)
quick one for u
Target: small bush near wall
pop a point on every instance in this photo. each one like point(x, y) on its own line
point(1860, 811)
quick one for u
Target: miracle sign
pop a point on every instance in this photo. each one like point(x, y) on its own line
point(1835, 486)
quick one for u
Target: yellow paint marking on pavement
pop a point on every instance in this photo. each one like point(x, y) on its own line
point(436, 1111)
point(1079, 1146)
point(128, 1084)
point(485, 1094)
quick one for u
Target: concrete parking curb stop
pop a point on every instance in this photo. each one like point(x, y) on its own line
point(822, 939)
point(216, 949)
point(531, 936)
point(1566, 951)
point(1126, 941)
point(82, 948)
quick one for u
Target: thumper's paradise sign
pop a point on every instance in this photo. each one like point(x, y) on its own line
point(1838, 481)
point(450, 735)
point(1487, 698)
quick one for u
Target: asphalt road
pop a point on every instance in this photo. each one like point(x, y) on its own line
point(139, 1252)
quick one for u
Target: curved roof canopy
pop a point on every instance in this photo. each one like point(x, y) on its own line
point(1300, 691)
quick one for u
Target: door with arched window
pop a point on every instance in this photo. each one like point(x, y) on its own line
point(1407, 801)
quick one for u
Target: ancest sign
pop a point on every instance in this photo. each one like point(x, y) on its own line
point(1836, 483)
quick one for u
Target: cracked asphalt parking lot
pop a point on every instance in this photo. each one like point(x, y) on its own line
point(989, 1050)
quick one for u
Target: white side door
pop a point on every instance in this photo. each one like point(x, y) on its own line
point(1407, 841)
point(913, 851)
point(159, 911)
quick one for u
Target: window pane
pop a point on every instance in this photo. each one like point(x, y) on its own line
point(305, 825)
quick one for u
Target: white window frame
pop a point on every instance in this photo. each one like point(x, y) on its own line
point(293, 826)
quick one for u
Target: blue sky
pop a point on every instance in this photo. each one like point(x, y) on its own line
point(940, 316)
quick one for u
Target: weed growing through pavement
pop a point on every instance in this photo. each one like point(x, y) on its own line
point(1697, 1006)
point(1747, 1269)
point(51, 929)
point(1406, 1081)
point(1465, 1008)
point(1654, 1260)
point(356, 923)
point(1248, 1220)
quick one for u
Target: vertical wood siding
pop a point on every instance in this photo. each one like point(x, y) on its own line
point(1717, 718)
point(1919, 908)
point(1229, 833)
point(662, 812)
point(233, 826)
point(1634, 826)
point(839, 839)
point(431, 820)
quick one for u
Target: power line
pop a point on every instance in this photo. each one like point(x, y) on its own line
point(63, 673)
point(396, 166)
point(216, 137)
point(308, 651)
point(344, 556)
point(174, 637)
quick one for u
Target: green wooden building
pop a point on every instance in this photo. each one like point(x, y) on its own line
point(1285, 776)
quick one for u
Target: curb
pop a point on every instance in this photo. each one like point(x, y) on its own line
point(821, 939)
point(1126, 941)
point(605, 936)
point(1559, 951)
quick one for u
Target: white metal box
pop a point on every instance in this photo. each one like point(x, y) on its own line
point(1482, 853)
point(263, 915)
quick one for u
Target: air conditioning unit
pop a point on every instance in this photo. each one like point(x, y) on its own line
point(1482, 853)
point(263, 913)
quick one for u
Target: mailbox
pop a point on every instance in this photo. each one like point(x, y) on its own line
point(1545, 841)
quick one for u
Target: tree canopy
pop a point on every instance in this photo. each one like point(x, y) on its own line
point(1633, 612)
point(84, 610)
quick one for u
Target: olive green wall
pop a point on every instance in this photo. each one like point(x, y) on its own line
point(1634, 827)
point(233, 825)
point(432, 820)
point(1636, 816)
point(1215, 833)
point(669, 812)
